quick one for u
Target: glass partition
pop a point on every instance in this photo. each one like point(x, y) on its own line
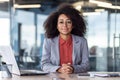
point(97, 40)
point(27, 35)
point(104, 39)
point(4, 23)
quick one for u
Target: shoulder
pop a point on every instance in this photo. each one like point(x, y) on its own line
point(49, 40)
point(78, 38)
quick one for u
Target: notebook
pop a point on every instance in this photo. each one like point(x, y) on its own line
point(8, 56)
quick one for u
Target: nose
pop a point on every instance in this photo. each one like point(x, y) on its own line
point(65, 24)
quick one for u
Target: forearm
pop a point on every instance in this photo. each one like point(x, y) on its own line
point(49, 67)
point(81, 68)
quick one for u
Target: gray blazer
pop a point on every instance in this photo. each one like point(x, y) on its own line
point(50, 57)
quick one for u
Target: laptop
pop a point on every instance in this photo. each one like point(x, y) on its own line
point(9, 58)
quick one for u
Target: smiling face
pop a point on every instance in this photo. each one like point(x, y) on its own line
point(64, 25)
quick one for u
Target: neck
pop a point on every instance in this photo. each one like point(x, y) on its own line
point(65, 37)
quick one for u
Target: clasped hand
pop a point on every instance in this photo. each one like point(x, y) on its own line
point(66, 68)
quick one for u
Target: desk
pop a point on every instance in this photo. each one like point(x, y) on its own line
point(56, 75)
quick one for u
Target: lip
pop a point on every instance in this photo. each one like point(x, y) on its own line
point(64, 30)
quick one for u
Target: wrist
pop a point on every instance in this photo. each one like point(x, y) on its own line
point(58, 70)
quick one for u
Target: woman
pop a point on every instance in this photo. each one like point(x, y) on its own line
point(65, 49)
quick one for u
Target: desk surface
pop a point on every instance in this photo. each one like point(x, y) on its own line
point(56, 75)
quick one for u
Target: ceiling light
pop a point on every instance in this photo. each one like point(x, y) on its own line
point(99, 10)
point(1, 1)
point(27, 6)
point(4, 0)
point(100, 3)
point(116, 7)
point(112, 7)
point(78, 7)
point(104, 4)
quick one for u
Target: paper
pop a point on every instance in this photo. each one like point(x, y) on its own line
point(104, 74)
point(101, 75)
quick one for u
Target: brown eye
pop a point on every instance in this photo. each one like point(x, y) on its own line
point(69, 22)
point(61, 22)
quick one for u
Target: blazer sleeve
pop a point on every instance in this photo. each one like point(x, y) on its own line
point(46, 64)
point(83, 66)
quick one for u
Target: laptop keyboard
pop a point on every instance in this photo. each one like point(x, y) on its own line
point(32, 71)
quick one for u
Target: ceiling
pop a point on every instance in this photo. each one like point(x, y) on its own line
point(114, 2)
point(54, 3)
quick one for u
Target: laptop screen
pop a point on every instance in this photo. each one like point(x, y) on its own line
point(8, 56)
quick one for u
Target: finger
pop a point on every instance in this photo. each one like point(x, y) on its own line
point(64, 64)
point(68, 71)
point(69, 67)
point(69, 63)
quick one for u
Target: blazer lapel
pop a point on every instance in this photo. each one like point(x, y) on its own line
point(75, 46)
point(56, 47)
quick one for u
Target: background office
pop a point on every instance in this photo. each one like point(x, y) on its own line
point(21, 26)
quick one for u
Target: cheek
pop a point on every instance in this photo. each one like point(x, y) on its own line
point(70, 28)
point(58, 28)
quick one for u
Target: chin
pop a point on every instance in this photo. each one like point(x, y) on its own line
point(66, 33)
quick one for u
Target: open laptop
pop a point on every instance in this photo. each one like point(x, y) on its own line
point(8, 56)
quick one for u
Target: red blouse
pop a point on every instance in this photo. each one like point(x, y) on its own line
point(66, 50)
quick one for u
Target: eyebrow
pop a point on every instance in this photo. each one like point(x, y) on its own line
point(62, 19)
